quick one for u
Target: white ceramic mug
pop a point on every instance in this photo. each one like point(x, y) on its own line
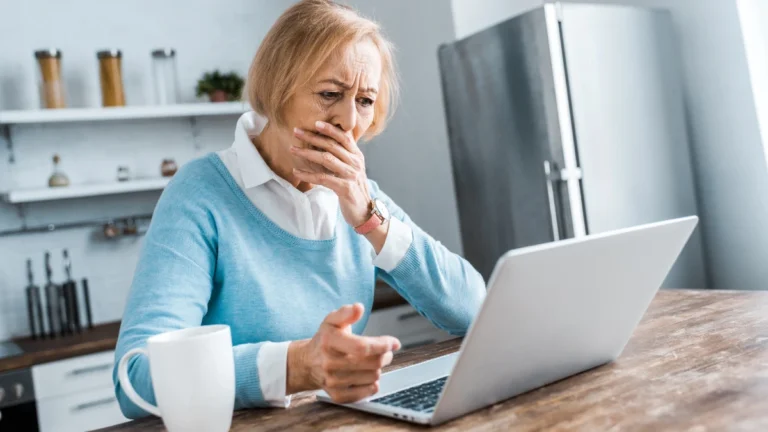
point(193, 376)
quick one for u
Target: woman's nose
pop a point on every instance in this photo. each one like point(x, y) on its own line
point(345, 116)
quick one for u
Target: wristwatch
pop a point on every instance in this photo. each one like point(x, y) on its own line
point(379, 215)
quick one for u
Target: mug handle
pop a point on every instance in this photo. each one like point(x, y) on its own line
point(125, 382)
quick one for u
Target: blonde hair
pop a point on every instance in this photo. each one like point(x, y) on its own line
point(298, 44)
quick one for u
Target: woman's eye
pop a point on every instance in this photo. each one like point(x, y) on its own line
point(330, 95)
point(366, 102)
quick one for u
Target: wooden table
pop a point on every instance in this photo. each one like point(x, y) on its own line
point(698, 361)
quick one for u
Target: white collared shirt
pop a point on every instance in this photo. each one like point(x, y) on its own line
point(311, 215)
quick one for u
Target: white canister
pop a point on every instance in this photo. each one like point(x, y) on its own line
point(165, 77)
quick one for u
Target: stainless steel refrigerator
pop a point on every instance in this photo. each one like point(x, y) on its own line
point(565, 121)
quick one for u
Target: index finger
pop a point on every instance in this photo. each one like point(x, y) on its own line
point(337, 134)
point(363, 346)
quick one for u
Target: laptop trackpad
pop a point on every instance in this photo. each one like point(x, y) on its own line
point(391, 382)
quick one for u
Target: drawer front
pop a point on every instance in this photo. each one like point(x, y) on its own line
point(73, 375)
point(425, 338)
point(400, 322)
point(84, 411)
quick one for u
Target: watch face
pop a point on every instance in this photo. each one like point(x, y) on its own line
point(381, 209)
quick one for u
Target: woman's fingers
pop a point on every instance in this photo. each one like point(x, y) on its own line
point(345, 316)
point(351, 378)
point(327, 160)
point(324, 143)
point(337, 135)
point(339, 362)
point(349, 366)
point(352, 394)
point(324, 179)
point(372, 362)
point(362, 346)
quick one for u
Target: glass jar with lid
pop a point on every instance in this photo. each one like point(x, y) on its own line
point(165, 77)
point(111, 77)
point(51, 84)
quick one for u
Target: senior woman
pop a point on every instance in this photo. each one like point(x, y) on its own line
point(282, 236)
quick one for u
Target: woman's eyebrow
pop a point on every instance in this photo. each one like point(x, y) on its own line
point(346, 86)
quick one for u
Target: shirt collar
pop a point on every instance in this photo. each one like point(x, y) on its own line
point(253, 169)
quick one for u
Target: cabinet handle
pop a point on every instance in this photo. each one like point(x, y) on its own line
point(419, 343)
point(87, 405)
point(408, 315)
point(551, 199)
point(91, 369)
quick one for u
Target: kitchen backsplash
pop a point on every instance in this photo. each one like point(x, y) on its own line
point(107, 265)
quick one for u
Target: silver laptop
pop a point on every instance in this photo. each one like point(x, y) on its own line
point(551, 311)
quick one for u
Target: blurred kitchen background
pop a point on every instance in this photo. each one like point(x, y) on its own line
point(668, 116)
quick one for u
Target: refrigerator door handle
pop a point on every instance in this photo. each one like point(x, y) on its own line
point(551, 199)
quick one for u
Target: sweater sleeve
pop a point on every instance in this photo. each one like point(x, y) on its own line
point(440, 284)
point(170, 291)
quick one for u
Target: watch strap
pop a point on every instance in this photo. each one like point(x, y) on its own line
point(369, 225)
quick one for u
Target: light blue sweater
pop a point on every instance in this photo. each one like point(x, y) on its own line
point(211, 257)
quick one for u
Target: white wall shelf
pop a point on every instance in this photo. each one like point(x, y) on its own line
point(121, 113)
point(22, 196)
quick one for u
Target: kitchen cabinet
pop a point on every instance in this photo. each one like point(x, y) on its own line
point(77, 412)
point(73, 375)
point(406, 324)
point(76, 394)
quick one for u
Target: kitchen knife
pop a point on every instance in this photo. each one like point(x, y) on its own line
point(51, 299)
point(70, 290)
point(87, 300)
point(34, 306)
point(63, 325)
point(63, 322)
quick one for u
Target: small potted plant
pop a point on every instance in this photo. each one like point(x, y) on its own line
point(220, 87)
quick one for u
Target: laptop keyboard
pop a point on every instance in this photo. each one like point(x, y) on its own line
point(422, 397)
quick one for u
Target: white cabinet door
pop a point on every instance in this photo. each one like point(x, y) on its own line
point(73, 375)
point(404, 323)
point(83, 411)
point(396, 321)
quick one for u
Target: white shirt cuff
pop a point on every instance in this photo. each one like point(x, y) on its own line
point(272, 362)
point(399, 239)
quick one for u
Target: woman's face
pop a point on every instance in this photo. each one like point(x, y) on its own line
point(342, 93)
